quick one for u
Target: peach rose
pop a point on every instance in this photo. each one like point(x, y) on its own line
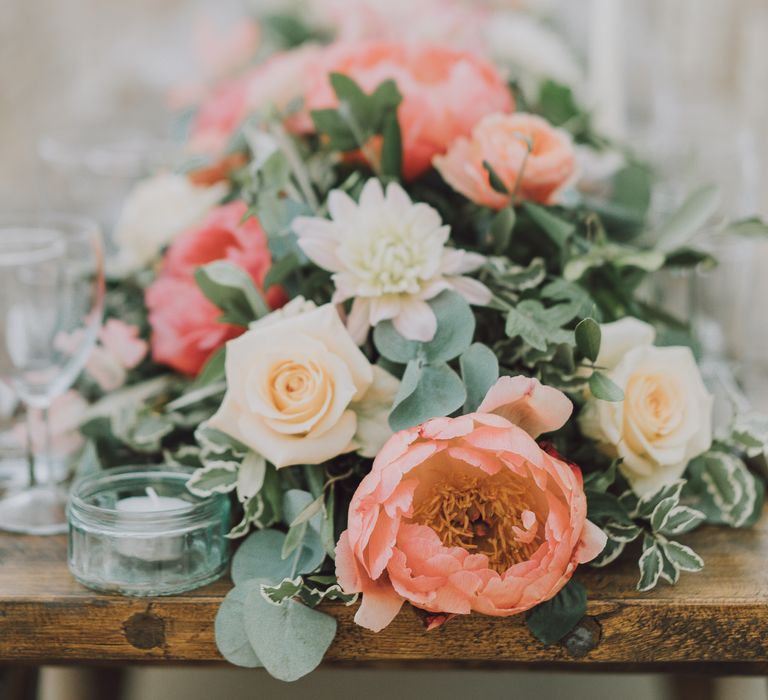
point(185, 326)
point(445, 92)
point(504, 141)
point(469, 514)
point(300, 391)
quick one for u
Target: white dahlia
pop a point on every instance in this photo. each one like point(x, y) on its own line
point(388, 254)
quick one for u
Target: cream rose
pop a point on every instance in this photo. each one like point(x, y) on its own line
point(619, 337)
point(156, 211)
point(295, 386)
point(665, 419)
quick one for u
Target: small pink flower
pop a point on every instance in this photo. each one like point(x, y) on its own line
point(123, 342)
point(185, 326)
point(119, 349)
point(504, 142)
point(445, 92)
point(469, 514)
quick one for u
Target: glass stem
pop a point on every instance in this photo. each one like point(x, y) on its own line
point(46, 453)
point(30, 448)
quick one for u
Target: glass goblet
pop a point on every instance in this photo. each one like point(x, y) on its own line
point(51, 305)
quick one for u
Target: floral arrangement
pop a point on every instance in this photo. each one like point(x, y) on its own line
point(395, 307)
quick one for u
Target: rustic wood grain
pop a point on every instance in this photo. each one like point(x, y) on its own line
point(710, 621)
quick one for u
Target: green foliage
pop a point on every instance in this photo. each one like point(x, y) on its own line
point(724, 490)
point(689, 219)
point(360, 117)
point(288, 638)
point(551, 620)
point(479, 371)
point(603, 388)
point(588, 336)
point(232, 290)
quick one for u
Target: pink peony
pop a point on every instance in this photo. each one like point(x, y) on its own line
point(185, 326)
point(469, 514)
point(503, 140)
point(445, 92)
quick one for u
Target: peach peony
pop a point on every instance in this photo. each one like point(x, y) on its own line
point(504, 141)
point(445, 92)
point(185, 326)
point(469, 514)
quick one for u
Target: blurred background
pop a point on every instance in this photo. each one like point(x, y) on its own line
point(87, 89)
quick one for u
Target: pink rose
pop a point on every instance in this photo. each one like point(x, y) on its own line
point(185, 326)
point(445, 92)
point(469, 514)
point(504, 140)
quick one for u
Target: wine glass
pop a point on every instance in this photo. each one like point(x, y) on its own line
point(51, 304)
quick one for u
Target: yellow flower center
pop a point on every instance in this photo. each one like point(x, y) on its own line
point(478, 513)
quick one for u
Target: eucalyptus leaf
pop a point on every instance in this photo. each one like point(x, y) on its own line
point(426, 391)
point(455, 327)
point(588, 338)
point(392, 345)
point(289, 638)
point(603, 388)
point(229, 627)
point(479, 370)
point(260, 557)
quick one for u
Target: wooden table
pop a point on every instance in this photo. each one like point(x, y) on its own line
point(715, 621)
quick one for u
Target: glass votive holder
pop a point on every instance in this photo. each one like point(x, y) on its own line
point(138, 531)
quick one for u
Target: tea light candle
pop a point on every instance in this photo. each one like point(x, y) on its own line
point(157, 547)
point(139, 531)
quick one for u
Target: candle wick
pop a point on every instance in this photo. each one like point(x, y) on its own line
point(152, 494)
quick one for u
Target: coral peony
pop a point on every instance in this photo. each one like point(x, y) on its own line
point(445, 92)
point(185, 326)
point(504, 141)
point(469, 514)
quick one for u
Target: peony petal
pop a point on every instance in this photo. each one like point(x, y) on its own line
point(525, 402)
point(592, 542)
point(379, 606)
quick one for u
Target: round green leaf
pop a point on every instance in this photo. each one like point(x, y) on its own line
point(603, 388)
point(426, 392)
point(260, 557)
point(392, 345)
point(588, 338)
point(479, 370)
point(289, 638)
point(455, 327)
point(231, 638)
